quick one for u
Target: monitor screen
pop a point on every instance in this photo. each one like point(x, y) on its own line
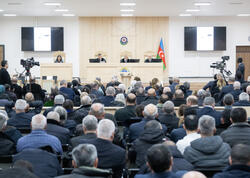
point(204, 38)
point(42, 39)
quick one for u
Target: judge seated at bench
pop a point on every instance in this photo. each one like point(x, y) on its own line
point(149, 59)
point(59, 59)
point(100, 58)
point(125, 59)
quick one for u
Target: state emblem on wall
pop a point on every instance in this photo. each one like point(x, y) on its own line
point(124, 40)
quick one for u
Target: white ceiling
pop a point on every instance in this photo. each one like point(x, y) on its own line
point(112, 7)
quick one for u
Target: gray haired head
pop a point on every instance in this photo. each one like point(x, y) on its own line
point(97, 110)
point(244, 97)
point(20, 105)
point(89, 123)
point(110, 91)
point(62, 113)
point(206, 125)
point(236, 85)
point(150, 111)
point(63, 82)
point(84, 155)
point(209, 101)
point(168, 107)
point(59, 100)
point(86, 100)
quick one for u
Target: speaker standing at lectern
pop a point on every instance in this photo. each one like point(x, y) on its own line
point(100, 58)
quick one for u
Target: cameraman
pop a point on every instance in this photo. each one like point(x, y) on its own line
point(4, 74)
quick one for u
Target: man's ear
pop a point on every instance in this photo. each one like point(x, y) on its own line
point(231, 120)
point(230, 160)
point(171, 163)
point(222, 120)
point(184, 127)
point(149, 167)
point(198, 130)
point(74, 164)
point(214, 130)
point(96, 163)
point(143, 114)
point(112, 136)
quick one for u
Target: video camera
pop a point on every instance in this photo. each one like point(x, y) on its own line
point(28, 64)
point(221, 65)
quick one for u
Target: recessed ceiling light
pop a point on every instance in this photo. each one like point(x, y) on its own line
point(128, 4)
point(202, 3)
point(52, 4)
point(126, 15)
point(243, 15)
point(127, 10)
point(61, 10)
point(1, 10)
point(185, 15)
point(235, 3)
point(9, 15)
point(69, 15)
point(193, 10)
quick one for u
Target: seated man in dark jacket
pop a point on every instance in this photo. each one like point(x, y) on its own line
point(179, 98)
point(160, 162)
point(239, 131)
point(151, 98)
point(243, 100)
point(58, 101)
point(109, 155)
point(21, 119)
point(108, 100)
point(54, 127)
point(85, 162)
point(37, 105)
point(89, 126)
point(151, 135)
point(168, 117)
point(192, 103)
point(67, 91)
point(85, 105)
point(207, 152)
point(209, 104)
point(239, 163)
point(237, 91)
point(34, 88)
point(73, 115)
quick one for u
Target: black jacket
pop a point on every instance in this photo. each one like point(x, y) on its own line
point(45, 164)
point(87, 172)
point(36, 89)
point(170, 120)
point(17, 90)
point(179, 101)
point(140, 99)
point(233, 171)
point(150, 100)
point(125, 113)
point(77, 140)
point(21, 120)
point(4, 77)
point(237, 133)
point(16, 173)
point(7, 147)
point(242, 103)
point(211, 112)
point(109, 155)
point(76, 116)
point(54, 128)
point(140, 146)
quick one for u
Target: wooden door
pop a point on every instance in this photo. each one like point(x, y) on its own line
point(244, 53)
point(1, 53)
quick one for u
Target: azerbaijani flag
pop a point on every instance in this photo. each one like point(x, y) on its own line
point(161, 54)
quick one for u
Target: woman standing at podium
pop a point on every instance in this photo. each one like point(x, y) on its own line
point(59, 59)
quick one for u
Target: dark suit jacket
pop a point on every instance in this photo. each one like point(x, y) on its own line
point(109, 155)
point(102, 60)
point(241, 68)
point(77, 140)
point(4, 77)
point(178, 134)
point(107, 100)
point(125, 113)
point(17, 173)
point(211, 112)
point(54, 128)
point(179, 101)
point(150, 100)
point(140, 99)
point(236, 94)
point(69, 92)
point(123, 61)
point(21, 120)
point(242, 103)
point(45, 164)
point(170, 120)
point(225, 90)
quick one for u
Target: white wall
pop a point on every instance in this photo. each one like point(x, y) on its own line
point(196, 64)
point(10, 36)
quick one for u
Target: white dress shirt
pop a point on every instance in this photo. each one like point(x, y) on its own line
point(185, 142)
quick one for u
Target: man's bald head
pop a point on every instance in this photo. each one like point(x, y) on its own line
point(151, 92)
point(179, 94)
point(29, 97)
point(131, 98)
point(194, 174)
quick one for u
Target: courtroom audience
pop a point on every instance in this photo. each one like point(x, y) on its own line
point(119, 100)
point(58, 101)
point(140, 95)
point(179, 98)
point(227, 89)
point(34, 88)
point(108, 100)
point(68, 92)
point(38, 136)
point(208, 152)
point(168, 116)
point(71, 113)
point(192, 103)
point(239, 161)
point(172, 86)
point(239, 131)
point(236, 91)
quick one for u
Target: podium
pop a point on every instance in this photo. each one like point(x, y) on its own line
point(126, 78)
point(63, 71)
